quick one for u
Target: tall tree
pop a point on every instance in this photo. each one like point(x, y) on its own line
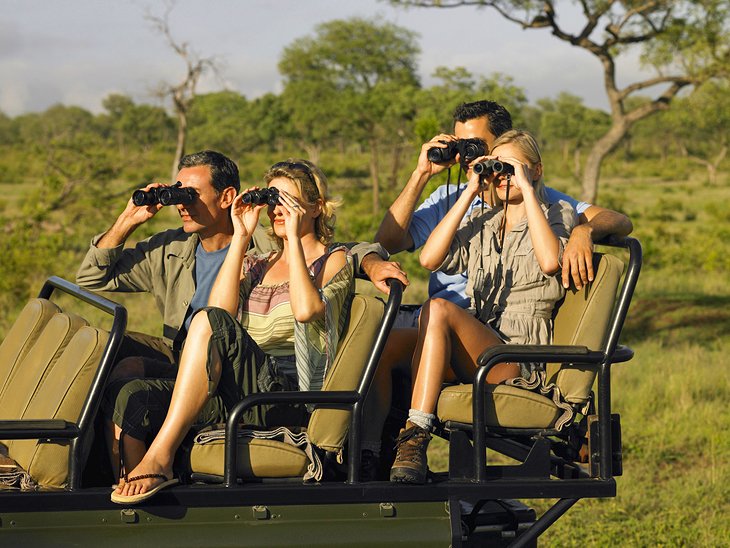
point(436, 103)
point(356, 78)
point(686, 41)
point(183, 92)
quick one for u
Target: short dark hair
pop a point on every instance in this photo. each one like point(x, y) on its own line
point(498, 116)
point(223, 170)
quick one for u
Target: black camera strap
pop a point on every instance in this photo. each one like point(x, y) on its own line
point(481, 304)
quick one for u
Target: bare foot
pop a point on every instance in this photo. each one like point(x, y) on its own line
point(144, 477)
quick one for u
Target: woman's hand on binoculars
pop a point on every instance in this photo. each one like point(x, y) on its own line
point(293, 211)
point(245, 216)
point(478, 183)
point(522, 177)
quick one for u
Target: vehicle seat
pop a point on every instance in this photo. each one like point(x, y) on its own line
point(22, 335)
point(48, 360)
point(29, 373)
point(581, 319)
point(327, 428)
point(60, 395)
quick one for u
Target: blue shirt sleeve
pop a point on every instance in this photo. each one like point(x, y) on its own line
point(553, 196)
point(429, 214)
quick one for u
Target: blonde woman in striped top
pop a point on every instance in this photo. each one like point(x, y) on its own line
point(273, 322)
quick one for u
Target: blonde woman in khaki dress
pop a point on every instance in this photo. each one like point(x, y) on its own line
point(512, 254)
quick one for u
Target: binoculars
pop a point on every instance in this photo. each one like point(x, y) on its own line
point(489, 167)
point(264, 196)
point(467, 149)
point(165, 195)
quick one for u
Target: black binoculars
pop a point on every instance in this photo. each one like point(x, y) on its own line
point(165, 195)
point(467, 149)
point(489, 167)
point(264, 196)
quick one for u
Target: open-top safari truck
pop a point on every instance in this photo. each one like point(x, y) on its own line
point(249, 492)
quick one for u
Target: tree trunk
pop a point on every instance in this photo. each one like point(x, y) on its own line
point(576, 163)
point(182, 133)
point(566, 152)
point(395, 166)
point(374, 176)
point(600, 150)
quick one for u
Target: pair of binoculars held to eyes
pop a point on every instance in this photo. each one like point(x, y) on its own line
point(165, 195)
point(493, 167)
point(264, 196)
point(467, 149)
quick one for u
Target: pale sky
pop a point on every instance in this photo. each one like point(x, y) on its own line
point(77, 52)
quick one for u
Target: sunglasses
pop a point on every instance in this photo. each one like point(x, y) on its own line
point(298, 166)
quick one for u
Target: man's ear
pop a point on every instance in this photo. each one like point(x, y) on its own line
point(227, 196)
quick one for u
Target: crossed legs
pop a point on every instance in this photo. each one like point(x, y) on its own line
point(189, 396)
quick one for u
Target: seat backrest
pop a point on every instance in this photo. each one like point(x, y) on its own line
point(327, 428)
point(60, 395)
point(583, 319)
point(22, 335)
point(28, 373)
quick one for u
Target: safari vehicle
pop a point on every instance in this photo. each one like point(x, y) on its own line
point(245, 492)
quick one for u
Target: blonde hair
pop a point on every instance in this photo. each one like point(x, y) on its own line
point(312, 185)
point(526, 144)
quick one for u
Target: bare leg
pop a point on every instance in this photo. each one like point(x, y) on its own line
point(188, 398)
point(397, 356)
point(450, 341)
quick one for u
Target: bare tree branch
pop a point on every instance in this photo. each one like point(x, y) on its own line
point(183, 93)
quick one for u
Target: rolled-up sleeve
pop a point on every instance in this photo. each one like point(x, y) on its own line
point(562, 218)
point(115, 269)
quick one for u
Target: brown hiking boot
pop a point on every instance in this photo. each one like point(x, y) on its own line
point(411, 463)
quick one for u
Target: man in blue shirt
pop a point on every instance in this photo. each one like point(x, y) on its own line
point(406, 227)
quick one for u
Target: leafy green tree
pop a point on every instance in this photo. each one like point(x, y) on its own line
point(135, 126)
point(8, 133)
point(221, 121)
point(271, 122)
point(355, 78)
point(458, 85)
point(686, 42)
point(700, 125)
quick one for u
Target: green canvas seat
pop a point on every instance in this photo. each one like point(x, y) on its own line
point(327, 428)
point(581, 319)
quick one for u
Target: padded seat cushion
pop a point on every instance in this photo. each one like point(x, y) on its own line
point(22, 335)
point(60, 396)
point(506, 407)
point(29, 373)
point(327, 428)
point(256, 459)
